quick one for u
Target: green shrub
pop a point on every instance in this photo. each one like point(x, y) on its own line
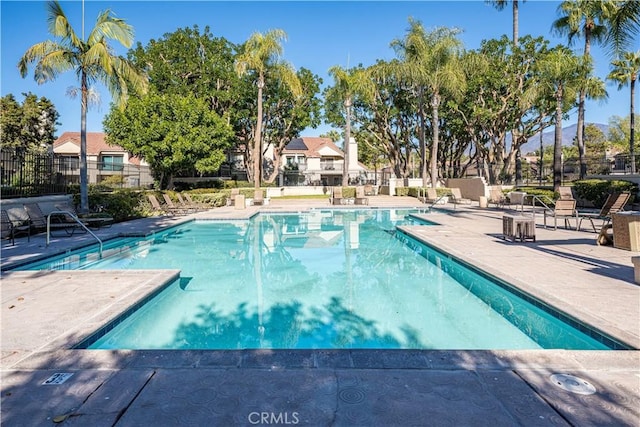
point(402, 191)
point(545, 194)
point(121, 204)
point(597, 190)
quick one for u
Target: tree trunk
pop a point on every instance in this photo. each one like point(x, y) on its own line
point(347, 138)
point(435, 103)
point(257, 142)
point(632, 148)
point(423, 142)
point(557, 146)
point(581, 108)
point(515, 22)
point(84, 185)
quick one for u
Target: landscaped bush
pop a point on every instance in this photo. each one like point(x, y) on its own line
point(545, 194)
point(597, 190)
point(121, 204)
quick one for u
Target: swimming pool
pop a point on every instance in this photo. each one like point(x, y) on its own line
point(322, 279)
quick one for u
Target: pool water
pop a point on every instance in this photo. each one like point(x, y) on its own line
point(323, 279)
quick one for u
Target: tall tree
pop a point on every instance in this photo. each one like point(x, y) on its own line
point(439, 72)
point(627, 71)
point(348, 84)
point(624, 26)
point(260, 53)
point(29, 126)
point(582, 18)
point(92, 60)
point(560, 72)
point(500, 5)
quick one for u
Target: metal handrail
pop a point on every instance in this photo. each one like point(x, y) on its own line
point(435, 202)
point(535, 198)
point(76, 219)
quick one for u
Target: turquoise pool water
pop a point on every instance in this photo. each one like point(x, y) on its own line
point(323, 279)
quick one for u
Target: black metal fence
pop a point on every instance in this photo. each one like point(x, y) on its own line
point(25, 174)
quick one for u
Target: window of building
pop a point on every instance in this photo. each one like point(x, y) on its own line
point(112, 163)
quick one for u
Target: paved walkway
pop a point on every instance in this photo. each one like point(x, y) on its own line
point(44, 313)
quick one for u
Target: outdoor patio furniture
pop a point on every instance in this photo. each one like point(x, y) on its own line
point(258, 197)
point(519, 227)
point(163, 209)
point(175, 208)
point(565, 209)
point(615, 202)
point(336, 196)
point(55, 222)
point(565, 193)
point(517, 198)
point(497, 197)
point(456, 194)
point(232, 196)
point(361, 199)
point(91, 220)
point(12, 228)
point(189, 203)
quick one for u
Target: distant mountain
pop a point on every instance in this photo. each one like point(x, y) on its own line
point(548, 137)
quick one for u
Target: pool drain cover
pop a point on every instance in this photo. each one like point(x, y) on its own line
point(572, 384)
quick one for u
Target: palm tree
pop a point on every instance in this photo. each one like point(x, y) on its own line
point(584, 18)
point(431, 63)
point(92, 60)
point(623, 20)
point(560, 72)
point(501, 4)
point(349, 85)
point(261, 55)
point(627, 70)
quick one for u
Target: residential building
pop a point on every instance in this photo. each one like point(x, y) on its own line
point(104, 161)
point(318, 161)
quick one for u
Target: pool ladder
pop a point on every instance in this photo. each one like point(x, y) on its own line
point(76, 219)
point(424, 197)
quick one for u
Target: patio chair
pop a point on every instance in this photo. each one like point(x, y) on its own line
point(231, 201)
point(565, 193)
point(368, 190)
point(11, 228)
point(163, 209)
point(497, 197)
point(56, 222)
point(92, 220)
point(258, 197)
point(565, 209)
point(430, 196)
point(361, 199)
point(175, 208)
point(615, 202)
point(336, 196)
point(188, 202)
point(456, 194)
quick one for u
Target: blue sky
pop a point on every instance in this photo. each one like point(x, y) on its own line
point(320, 35)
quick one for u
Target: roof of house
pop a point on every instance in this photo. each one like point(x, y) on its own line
point(311, 146)
point(96, 144)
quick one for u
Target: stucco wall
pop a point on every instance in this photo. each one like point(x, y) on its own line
point(471, 188)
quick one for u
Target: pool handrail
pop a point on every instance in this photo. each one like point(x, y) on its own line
point(76, 219)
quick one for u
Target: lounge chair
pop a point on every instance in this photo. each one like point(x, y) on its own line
point(96, 220)
point(231, 201)
point(615, 202)
point(55, 222)
point(361, 199)
point(175, 208)
point(11, 228)
point(163, 209)
point(336, 196)
point(368, 190)
point(565, 193)
point(430, 196)
point(258, 197)
point(565, 209)
point(497, 197)
point(188, 202)
point(456, 194)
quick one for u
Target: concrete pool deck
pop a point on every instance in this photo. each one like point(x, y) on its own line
point(45, 313)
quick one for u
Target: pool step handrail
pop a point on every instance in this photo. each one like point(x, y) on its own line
point(539, 198)
point(76, 219)
point(423, 196)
